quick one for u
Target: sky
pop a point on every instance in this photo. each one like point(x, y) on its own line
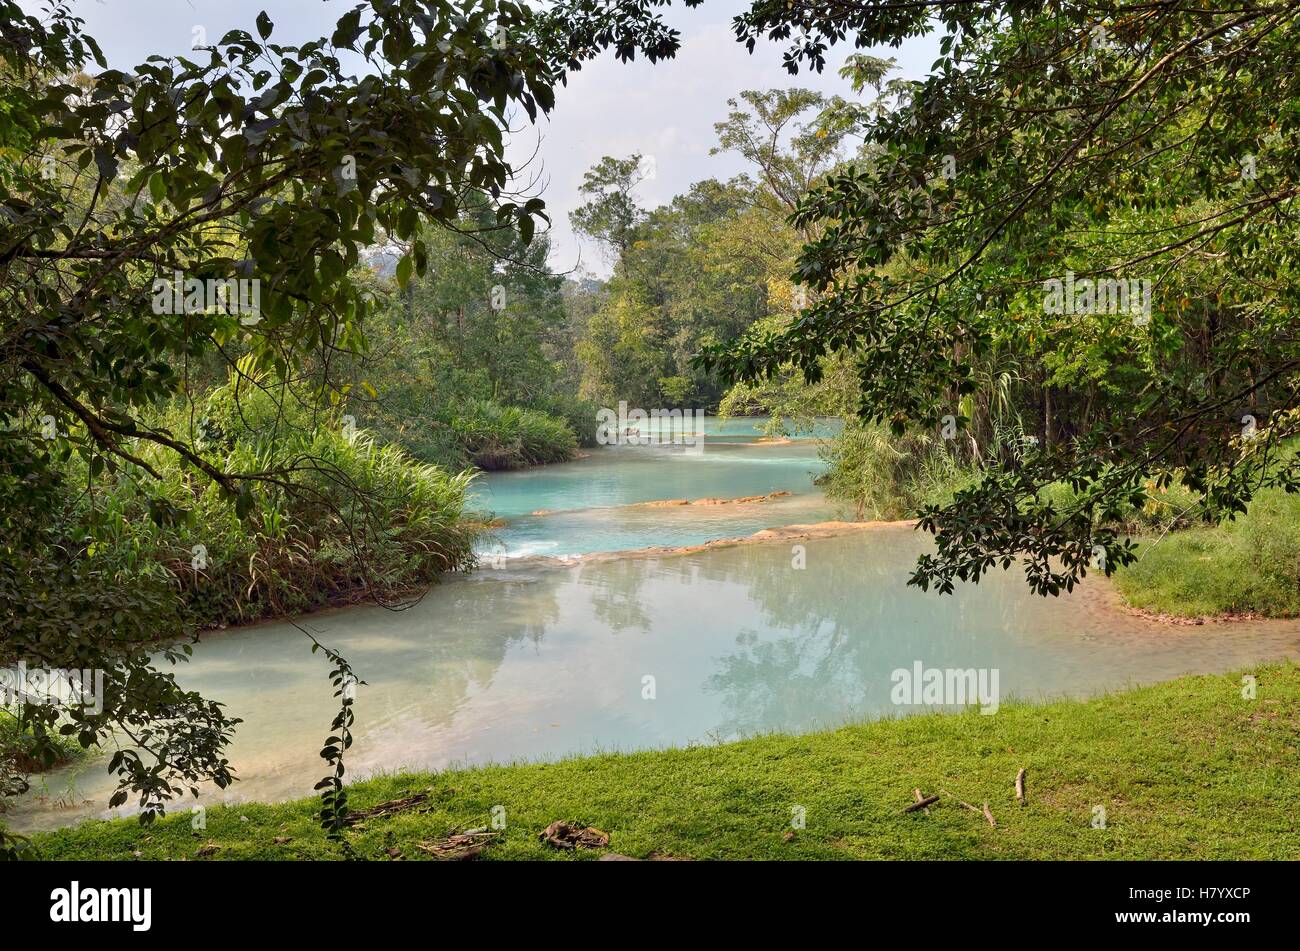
point(664, 111)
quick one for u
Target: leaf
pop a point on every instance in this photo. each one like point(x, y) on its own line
point(264, 25)
point(243, 502)
point(348, 29)
point(106, 163)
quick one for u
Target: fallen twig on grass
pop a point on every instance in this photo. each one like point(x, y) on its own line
point(459, 847)
point(386, 808)
point(1020, 786)
point(922, 803)
point(960, 802)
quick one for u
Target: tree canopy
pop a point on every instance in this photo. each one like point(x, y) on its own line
point(1104, 147)
point(133, 201)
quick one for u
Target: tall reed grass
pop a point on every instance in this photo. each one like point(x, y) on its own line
point(511, 437)
point(341, 518)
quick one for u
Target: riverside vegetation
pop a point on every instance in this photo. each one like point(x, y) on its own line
point(171, 472)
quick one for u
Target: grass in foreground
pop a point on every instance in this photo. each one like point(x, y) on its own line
point(1185, 769)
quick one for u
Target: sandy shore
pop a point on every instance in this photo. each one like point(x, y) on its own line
point(742, 500)
point(674, 503)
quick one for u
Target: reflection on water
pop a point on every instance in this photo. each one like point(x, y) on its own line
point(541, 662)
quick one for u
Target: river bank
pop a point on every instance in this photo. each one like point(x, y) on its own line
point(778, 534)
point(543, 663)
point(769, 617)
point(1186, 769)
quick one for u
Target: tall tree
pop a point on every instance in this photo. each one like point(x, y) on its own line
point(610, 214)
point(1142, 156)
point(788, 155)
point(247, 161)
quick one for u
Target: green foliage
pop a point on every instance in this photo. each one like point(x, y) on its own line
point(622, 354)
point(484, 324)
point(788, 155)
point(1248, 565)
point(71, 609)
point(1048, 143)
point(23, 751)
point(610, 214)
point(509, 437)
point(116, 559)
point(356, 519)
point(333, 793)
point(698, 271)
point(579, 415)
point(248, 160)
point(792, 404)
point(272, 164)
point(707, 267)
point(278, 176)
point(886, 477)
point(27, 748)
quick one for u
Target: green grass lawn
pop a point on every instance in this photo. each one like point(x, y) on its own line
point(1185, 769)
point(1199, 572)
point(1250, 565)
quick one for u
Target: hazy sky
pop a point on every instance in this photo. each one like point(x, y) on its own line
point(666, 110)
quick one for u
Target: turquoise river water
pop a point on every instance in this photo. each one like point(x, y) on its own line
point(548, 653)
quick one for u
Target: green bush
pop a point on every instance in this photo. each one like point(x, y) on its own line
point(353, 518)
point(510, 437)
point(19, 756)
point(886, 477)
point(1268, 536)
point(410, 415)
point(1173, 507)
point(580, 415)
point(1249, 565)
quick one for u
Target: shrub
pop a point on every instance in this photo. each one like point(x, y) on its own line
point(352, 518)
point(580, 415)
point(510, 437)
point(1247, 565)
point(20, 753)
point(886, 477)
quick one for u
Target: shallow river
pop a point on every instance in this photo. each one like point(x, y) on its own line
point(590, 505)
point(539, 659)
